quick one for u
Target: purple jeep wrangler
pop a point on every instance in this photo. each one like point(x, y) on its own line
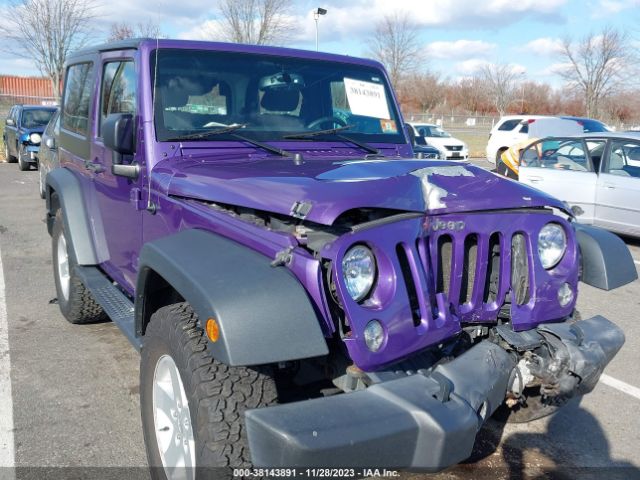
point(303, 292)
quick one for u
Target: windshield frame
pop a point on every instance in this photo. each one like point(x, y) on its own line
point(278, 135)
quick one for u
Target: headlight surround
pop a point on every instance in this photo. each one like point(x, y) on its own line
point(35, 138)
point(552, 244)
point(358, 271)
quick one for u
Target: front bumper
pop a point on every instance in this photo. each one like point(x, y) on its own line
point(422, 422)
point(30, 153)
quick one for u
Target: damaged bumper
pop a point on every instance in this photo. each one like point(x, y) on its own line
point(425, 422)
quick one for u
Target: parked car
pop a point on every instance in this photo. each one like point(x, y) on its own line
point(48, 154)
point(509, 160)
point(512, 129)
point(451, 148)
point(23, 132)
point(597, 174)
point(296, 282)
point(421, 149)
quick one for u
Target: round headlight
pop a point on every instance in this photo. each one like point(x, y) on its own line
point(374, 335)
point(35, 138)
point(552, 243)
point(565, 295)
point(358, 271)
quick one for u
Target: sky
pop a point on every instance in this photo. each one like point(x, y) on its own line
point(457, 36)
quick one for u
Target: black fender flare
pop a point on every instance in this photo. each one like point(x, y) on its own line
point(70, 199)
point(263, 312)
point(606, 261)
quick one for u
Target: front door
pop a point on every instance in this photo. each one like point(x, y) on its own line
point(116, 195)
point(562, 167)
point(618, 190)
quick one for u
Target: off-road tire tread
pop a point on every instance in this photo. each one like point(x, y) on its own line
point(82, 307)
point(218, 394)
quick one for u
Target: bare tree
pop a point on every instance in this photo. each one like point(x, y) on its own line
point(596, 65)
point(470, 94)
point(500, 82)
point(258, 22)
point(45, 31)
point(424, 91)
point(396, 44)
point(124, 30)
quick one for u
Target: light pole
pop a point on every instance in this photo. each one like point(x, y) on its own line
point(316, 16)
point(522, 92)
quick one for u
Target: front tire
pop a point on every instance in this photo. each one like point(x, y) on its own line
point(75, 301)
point(193, 406)
point(9, 158)
point(23, 163)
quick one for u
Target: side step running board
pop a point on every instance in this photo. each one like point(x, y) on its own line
point(115, 303)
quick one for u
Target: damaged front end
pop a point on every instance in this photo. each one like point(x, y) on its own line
point(428, 418)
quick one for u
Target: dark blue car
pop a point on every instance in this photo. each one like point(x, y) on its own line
point(23, 132)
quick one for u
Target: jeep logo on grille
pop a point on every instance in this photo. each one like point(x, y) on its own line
point(448, 225)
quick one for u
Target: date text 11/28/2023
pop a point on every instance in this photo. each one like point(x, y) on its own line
point(315, 472)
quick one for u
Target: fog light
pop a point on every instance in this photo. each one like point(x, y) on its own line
point(565, 295)
point(374, 335)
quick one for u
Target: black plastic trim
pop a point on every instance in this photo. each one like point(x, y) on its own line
point(606, 260)
point(76, 218)
point(264, 314)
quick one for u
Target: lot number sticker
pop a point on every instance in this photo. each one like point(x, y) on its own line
point(366, 98)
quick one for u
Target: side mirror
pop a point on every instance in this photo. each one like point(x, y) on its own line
point(410, 133)
point(118, 135)
point(10, 122)
point(50, 143)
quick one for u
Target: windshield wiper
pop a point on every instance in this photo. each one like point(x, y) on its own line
point(333, 131)
point(315, 133)
point(208, 133)
point(229, 130)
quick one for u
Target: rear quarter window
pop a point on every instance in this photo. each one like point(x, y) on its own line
point(509, 125)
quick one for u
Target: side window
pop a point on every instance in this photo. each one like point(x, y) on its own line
point(558, 154)
point(509, 125)
point(624, 159)
point(118, 90)
point(77, 95)
point(51, 125)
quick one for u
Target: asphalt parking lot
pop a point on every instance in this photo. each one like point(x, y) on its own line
point(73, 395)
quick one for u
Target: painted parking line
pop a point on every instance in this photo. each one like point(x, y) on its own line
point(7, 449)
point(620, 385)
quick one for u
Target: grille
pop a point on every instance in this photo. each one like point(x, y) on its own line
point(476, 271)
point(453, 148)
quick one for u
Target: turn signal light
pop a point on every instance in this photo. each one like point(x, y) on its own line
point(212, 329)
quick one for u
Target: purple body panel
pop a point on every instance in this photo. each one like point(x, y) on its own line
point(335, 186)
point(181, 179)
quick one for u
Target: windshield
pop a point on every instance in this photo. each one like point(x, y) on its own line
point(34, 118)
point(270, 96)
point(432, 131)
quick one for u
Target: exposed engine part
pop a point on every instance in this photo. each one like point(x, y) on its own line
point(521, 377)
point(353, 379)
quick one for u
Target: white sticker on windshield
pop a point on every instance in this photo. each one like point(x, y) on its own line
point(366, 98)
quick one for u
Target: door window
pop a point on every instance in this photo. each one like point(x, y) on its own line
point(559, 154)
point(77, 95)
point(624, 159)
point(118, 90)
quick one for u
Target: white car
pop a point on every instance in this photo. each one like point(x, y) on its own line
point(597, 174)
point(512, 129)
point(450, 148)
point(509, 130)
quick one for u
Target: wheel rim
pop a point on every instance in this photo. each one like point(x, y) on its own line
point(63, 267)
point(172, 421)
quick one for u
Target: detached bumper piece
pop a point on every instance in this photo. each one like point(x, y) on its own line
point(425, 422)
point(420, 422)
